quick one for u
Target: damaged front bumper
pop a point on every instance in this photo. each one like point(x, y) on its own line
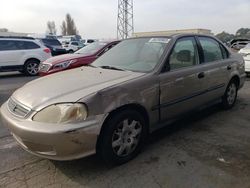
point(57, 142)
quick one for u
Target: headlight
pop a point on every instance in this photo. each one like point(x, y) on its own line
point(43, 67)
point(62, 113)
point(64, 64)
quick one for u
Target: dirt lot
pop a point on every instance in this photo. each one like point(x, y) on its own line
point(209, 149)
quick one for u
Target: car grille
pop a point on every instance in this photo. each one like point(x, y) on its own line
point(44, 67)
point(17, 109)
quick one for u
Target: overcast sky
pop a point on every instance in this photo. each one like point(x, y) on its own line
point(97, 18)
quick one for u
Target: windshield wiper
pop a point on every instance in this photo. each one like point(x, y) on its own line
point(110, 67)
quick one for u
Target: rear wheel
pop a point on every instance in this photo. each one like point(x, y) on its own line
point(229, 98)
point(31, 67)
point(122, 137)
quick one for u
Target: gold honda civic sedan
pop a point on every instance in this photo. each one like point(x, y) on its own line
point(110, 106)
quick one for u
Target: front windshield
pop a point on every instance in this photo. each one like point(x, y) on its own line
point(91, 48)
point(139, 55)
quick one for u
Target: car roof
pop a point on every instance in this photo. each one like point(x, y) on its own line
point(175, 35)
point(16, 37)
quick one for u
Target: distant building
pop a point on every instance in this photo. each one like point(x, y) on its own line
point(13, 34)
point(171, 32)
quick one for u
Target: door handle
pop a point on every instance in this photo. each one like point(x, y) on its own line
point(201, 75)
point(229, 67)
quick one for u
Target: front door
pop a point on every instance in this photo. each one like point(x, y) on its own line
point(9, 53)
point(183, 84)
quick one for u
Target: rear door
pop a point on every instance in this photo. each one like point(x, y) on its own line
point(216, 65)
point(183, 84)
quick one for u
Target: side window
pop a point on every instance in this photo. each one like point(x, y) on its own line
point(224, 52)
point(20, 45)
point(25, 45)
point(74, 43)
point(30, 45)
point(211, 49)
point(90, 41)
point(7, 45)
point(2, 46)
point(184, 54)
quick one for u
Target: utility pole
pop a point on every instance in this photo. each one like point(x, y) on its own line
point(125, 20)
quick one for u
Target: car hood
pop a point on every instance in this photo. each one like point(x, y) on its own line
point(69, 86)
point(61, 58)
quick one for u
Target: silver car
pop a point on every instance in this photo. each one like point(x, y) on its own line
point(109, 107)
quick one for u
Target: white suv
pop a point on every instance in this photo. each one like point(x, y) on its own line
point(22, 54)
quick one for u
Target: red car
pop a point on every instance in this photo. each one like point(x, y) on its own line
point(84, 56)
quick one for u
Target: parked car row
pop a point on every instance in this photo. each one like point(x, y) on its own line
point(26, 54)
point(73, 43)
point(111, 106)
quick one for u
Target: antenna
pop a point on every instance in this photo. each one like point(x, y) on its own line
point(125, 20)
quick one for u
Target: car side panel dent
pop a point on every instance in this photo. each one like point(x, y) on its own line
point(145, 94)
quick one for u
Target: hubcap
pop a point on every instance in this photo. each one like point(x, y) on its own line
point(32, 68)
point(231, 94)
point(126, 137)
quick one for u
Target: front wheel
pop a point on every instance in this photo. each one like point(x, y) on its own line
point(229, 98)
point(122, 137)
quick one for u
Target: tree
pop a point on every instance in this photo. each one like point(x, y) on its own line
point(3, 30)
point(68, 26)
point(51, 27)
point(225, 37)
point(243, 33)
point(64, 28)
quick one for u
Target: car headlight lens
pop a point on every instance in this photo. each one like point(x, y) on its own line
point(64, 64)
point(62, 113)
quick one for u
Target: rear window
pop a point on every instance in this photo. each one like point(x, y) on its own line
point(51, 42)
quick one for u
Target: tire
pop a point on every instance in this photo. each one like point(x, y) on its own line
point(122, 138)
point(230, 95)
point(71, 51)
point(31, 67)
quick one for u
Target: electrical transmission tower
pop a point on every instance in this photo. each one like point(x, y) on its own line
point(125, 20)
